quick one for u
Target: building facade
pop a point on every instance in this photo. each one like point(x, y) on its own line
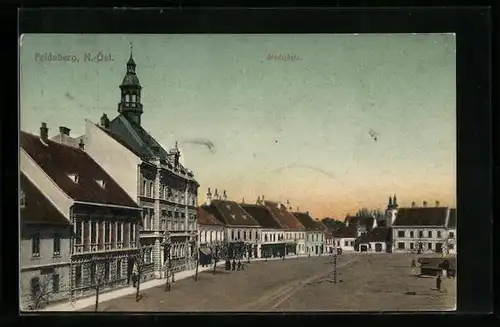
point(315, 234)
point(104, 218)
point(272, 238)
point(424, 229)
point(156, 178)
point(378, 240)
point(45, 258)
point(295, 232)
point(211, 234)
point(242, 231)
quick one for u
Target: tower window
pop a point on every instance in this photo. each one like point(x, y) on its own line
point(133, 97)
point(127, 97)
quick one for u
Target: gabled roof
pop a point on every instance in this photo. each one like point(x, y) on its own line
point(37, 208)
point(345, 232)
point(428, 216)
point(206, 218)
point(230, 213)
point(307, 221)
point(61, 162)
point(137, 138)
point(262, 215)
point(283, 216)
point(364, 222)
point(378, 234)
point(452, 221)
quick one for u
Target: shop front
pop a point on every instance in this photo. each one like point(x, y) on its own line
point(205, 255)
point(273, 250)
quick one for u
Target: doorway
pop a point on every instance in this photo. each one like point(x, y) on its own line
point(439, 247)
point(378, 247)
point(363, 248)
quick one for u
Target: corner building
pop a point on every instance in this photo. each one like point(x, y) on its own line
point(165, 190)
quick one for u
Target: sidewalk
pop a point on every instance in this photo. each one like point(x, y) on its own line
point(89, 301)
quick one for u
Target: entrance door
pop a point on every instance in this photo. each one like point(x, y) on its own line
point(363, 248)
point(439, 247)
point(378, 247)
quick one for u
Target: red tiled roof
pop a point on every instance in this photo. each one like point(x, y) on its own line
point(230, 213)
point(58, 161)
point(431, 216)
point(262, 214)
point(38, 209)
point(307, 221)
point(284, 217)
point(206, 218)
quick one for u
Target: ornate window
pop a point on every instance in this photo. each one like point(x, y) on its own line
point(22, 199)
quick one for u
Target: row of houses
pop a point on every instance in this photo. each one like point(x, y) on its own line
point(89, 203)
point(263, 228)
point(414, 229)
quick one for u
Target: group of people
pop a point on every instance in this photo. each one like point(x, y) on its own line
point(235, 266)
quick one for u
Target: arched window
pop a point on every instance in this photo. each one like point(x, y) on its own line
point(133, 97)
point(265, 237)
point(127, 97)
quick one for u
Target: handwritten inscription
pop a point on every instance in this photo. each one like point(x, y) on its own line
point(283, 57)
point(90, 57)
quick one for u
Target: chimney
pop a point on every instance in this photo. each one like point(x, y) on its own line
point(425, 204)
point(413, 204)
point(437, 204)
point(243, 200)
point(64, 130)
point(224, 196)
point(44, 132)
point(104, 121)
point(258, 200)
point(81, 145)
point(298, 209)
point(216, 195)
point(209, 197)
point(263, 199)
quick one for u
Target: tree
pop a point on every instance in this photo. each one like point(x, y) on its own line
point(219, 251)
point(376, 213)
point(44, 289)
point(137, 271)
point(99, 273)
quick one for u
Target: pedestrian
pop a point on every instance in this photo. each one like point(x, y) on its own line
point(234, 264)
point(239, 265)
point(134, 279)
point(413, 263)
point(438, 282)
point(242, 266)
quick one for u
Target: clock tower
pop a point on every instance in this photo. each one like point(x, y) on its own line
point(130, 105)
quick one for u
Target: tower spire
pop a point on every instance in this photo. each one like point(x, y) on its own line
point(130, 105)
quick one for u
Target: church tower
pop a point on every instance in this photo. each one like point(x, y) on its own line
point(130, 105)
point(391, 211)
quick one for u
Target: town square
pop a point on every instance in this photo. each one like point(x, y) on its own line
point(178, 177)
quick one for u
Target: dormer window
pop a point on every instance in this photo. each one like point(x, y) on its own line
point(233, 216)
point(73, 177)
point(22, 200)
point(101, 183)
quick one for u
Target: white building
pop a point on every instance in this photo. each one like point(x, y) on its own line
point(242, 231)
point(428, 229)
point(154, 177)
point(294, 231)
point(273, 235)
point(315, 233)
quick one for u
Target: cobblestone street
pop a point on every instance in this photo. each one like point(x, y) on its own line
point(369, 282)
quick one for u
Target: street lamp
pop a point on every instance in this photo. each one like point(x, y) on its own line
point(167, 264)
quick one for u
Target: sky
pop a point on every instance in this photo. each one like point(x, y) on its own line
point(337, 123)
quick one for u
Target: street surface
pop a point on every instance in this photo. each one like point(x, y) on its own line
point(367, 282)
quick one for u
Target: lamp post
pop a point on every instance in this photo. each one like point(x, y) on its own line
point(167, 264)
